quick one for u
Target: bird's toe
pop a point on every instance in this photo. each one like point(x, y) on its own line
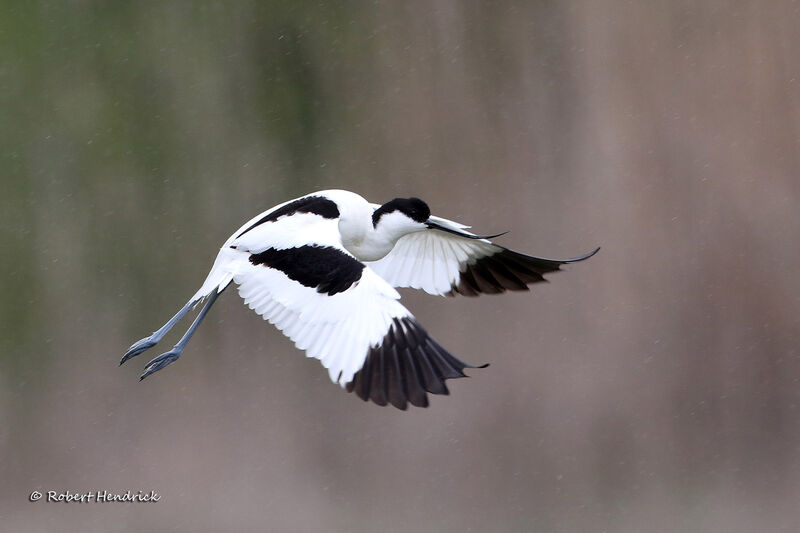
point(137, 348)
point(160, 362)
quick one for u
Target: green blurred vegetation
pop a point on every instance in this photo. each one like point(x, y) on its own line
point(111, 119)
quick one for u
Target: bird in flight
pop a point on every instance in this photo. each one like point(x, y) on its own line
point(323, 269)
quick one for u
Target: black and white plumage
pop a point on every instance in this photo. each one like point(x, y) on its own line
point(323, 269)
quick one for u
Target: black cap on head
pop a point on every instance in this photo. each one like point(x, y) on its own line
point(414, 208)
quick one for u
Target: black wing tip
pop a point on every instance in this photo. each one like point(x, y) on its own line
point(405, 367)
point(507, 270)
point(582, 257)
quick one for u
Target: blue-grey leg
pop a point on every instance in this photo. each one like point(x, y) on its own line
point(166, 358)
point(148, 342)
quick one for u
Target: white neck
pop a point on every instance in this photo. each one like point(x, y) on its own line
point(370, 243)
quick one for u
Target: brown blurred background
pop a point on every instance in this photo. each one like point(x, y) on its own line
point(652, 388)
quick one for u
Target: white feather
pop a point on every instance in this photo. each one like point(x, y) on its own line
point(431, 260)
point(342, 327)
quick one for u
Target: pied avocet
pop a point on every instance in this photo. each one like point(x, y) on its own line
point(323, 268)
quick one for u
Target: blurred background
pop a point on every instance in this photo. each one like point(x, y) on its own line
point(651, 388)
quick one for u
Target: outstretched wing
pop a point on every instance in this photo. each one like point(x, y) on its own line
point(339, 311)
point(447, 260)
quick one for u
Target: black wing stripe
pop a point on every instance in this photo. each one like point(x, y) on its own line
point(404, 367)
point(317, 205)
point(325, 268)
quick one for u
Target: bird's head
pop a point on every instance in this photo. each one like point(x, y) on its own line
point(401, 216)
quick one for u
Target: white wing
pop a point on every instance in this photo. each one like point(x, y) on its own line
point(450, 260)
point(337, 329)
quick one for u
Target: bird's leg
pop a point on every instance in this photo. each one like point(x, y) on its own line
point(148, 342)
point(166, 358)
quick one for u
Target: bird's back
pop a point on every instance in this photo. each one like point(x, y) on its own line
point(287, 225)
